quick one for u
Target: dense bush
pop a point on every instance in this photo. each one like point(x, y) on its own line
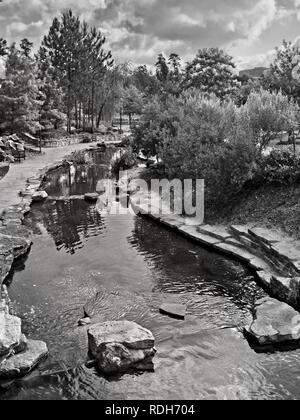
point(197, 136)
point(280, 167)
point(126, 160)
point(213, 143)
point(269, 114)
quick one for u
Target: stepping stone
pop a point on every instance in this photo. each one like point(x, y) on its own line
point(174, 310)
point(274, 323)
point(130, 334)
point(91, 197)
point(21, 364)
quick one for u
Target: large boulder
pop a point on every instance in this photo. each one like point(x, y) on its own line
point(274, 323)
point(21, 364)
point(119, 346)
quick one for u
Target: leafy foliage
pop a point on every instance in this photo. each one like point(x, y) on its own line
point(280, 167)
point(268, 114)
point(20, 95)
point(212, 72)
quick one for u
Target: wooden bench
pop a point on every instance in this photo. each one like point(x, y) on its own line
point(19, 153)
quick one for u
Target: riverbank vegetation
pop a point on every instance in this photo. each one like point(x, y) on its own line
point(199, 119)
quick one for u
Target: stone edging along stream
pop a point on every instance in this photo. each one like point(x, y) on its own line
point(274, 259)
point(18, 355)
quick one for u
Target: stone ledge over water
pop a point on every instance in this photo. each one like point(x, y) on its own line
point(274, 323)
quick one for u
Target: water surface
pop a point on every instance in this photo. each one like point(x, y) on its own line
point(136, 265)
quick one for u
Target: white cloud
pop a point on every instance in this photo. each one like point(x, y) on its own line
point(140, 29)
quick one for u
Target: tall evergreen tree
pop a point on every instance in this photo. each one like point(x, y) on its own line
point(19, 93)
point(72, 55)
point(212, 71)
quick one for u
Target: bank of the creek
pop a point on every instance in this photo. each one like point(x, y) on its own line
point(77, 252)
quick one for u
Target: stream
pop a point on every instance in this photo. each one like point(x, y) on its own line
point(77, 253)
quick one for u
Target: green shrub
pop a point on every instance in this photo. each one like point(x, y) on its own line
point(280, 167)
point(127, 160)
point(268, 114)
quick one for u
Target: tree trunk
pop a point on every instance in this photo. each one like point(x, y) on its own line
point(100, 114)
point(92, 106)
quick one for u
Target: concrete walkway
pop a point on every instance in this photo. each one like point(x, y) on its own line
point(16, 178)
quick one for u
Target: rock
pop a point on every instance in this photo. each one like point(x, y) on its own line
point(21, 364)
point(286, 289)
point(115, 358)
point(91, 197)
point(130, 334)
point(121, 345)
point(19, 246)
point(174, 310)
point(10, 333)
point(274, 323)
point(84, 321)
point(6, 261)
point(101, 129)
point(39, 196)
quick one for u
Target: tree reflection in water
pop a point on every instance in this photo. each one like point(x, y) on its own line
point(70, 223)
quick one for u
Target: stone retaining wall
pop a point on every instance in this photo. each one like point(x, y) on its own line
point(274, 258)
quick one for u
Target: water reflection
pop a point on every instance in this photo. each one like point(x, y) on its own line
point(186, 268)
point(70, 223)
point(79, 179)
point(197, 358)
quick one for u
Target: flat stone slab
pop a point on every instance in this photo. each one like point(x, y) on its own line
point(174, 310)
point(21, 364)
point(235, 251)
point(16, 230)
point(266, 235)
point(192, 232)
point(19, 246)
point(288, 249)
point(91, 197)
point(240, 229)
point(218, 232)
point(275, 323)
point(129, 334)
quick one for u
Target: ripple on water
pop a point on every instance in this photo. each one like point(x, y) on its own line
point(134, 265)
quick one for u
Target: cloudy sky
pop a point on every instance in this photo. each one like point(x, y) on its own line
point(138, 30)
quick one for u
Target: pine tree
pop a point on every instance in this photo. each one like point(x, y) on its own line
point(72, 55)
point(19, 93)
point(212, 71)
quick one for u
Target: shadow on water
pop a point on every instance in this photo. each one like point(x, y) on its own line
point(134, 265)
